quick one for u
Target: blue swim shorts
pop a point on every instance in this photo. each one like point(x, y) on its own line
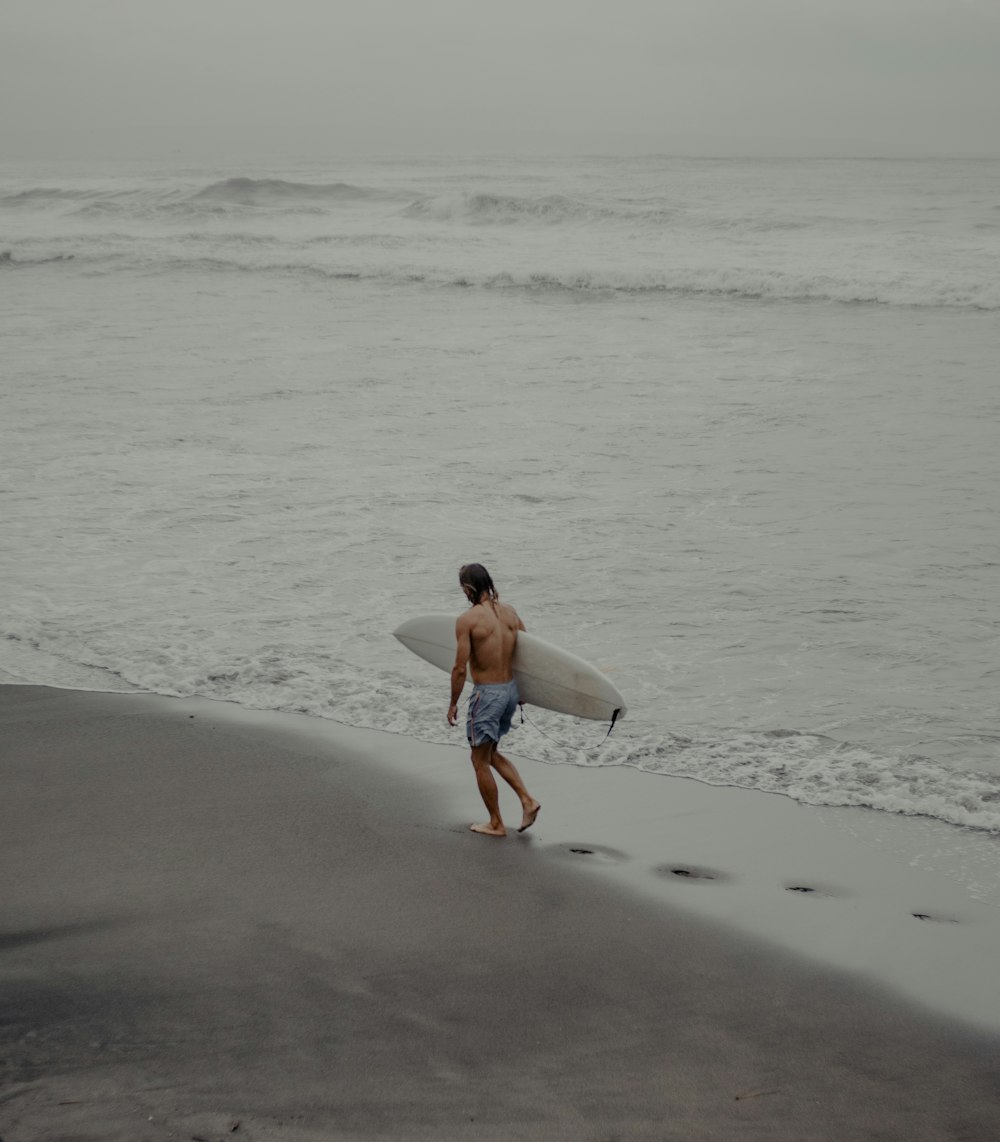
point(491, 707)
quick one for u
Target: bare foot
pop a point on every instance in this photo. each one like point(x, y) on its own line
point(529, 816)
point(489, 830)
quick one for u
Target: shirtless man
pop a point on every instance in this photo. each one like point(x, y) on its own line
point(486, 634)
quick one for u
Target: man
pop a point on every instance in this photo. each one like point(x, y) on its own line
point(486, 635)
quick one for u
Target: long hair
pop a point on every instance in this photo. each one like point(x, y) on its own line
point(476, 576)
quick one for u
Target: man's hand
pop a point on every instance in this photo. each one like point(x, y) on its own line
point(453, 714)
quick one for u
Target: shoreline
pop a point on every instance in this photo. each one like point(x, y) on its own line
point(677, 841)
point(214, 915)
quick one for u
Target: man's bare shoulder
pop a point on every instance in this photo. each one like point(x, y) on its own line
point(511, 616)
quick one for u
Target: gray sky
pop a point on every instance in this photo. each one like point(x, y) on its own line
point(137, 78)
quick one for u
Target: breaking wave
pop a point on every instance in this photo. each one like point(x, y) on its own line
point(737, 283)
point(7, 259)
point(389, 259)
point(274, 193)
point(620, 234)
point(507, 209)
point(278, 192)
point(43, 195)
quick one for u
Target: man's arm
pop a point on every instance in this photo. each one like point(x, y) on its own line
point(463, 649)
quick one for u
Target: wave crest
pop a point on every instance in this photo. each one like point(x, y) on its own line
point(733, 283)
point(7, 259)
point(503, 209)
point(277, 192)
point(42, 195)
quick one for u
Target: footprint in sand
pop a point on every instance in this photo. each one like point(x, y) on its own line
point(583, 851)
point(821, 891)
point(691, 872)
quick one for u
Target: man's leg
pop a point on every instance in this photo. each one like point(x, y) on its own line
point(508, 772)
point(481, 759)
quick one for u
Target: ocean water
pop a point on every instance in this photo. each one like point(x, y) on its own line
point(728, 429)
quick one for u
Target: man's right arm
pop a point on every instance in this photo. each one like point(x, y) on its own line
point(463, 649)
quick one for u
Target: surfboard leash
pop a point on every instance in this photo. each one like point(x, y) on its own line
point(535, 726)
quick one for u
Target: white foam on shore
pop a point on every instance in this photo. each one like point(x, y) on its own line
point(910, 905)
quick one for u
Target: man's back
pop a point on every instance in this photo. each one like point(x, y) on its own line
point(492, 628)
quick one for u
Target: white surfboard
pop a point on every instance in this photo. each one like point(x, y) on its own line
point(546, 676)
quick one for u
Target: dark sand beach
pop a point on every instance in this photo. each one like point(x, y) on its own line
point(211, 931)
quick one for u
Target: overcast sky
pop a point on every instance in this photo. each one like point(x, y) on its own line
point(155, 78)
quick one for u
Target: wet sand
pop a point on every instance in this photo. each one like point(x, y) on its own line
point(213, 926)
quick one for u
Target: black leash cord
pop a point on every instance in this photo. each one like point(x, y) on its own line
point(614, 718)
